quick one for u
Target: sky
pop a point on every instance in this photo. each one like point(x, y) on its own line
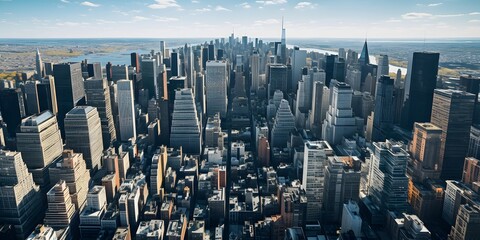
point(217, 18)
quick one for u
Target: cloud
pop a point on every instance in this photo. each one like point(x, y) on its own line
point(220, 8)
point(474, 21)
point(71, 24)
point(272, 2)
point(162, 4)
point(203, 10)
point(166, 19)
point(266, 22)
point(393, 20)
point(415, 15)
point(195, 1)
point(434, 4)
point(89, 4)
point(140, 18)
point(474, 13)
point(65, 1)
point(302, 5)
point(245, 5)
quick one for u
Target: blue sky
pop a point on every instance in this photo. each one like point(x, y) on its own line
point(216, 18)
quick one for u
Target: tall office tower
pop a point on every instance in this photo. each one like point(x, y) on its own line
point(339, 121)
point(315, 159)
point(95, 70)
point(48, 68)
point(39, 67)
point(383, 67)
point(316, 112)
point(83, 134)
point(425, 151)
point(60, 212)
point(213, 131)
point(420, 82)
point(73, 170)
point(354, 79)
point(471, 172)
point(68, 87)
point(364, 57)
point(342, 53)
point(149, 77)
point(329, 68)
point(467, 225)
point(299, 61)
point(277, 78)
point(189, 67)
point(47, 98)
point(108, 71)
point(119, 72)
point(91, 216)
point(452, 112)
point(383, 117)
point(204, 57)
point(216, 88)
point(157, 171)
point(339, 70)
point(12, 108)
point(126, 110)
point(20, 199)
point(341, 184)
point(175, 64)
point(40, 142)
point(31, 95)
point(301, 109)
point(474, 143)
point(135, 61)
point(283, 125)
point(211, 52)
point(239, 89)
point(186, 130)
point(388, 182)
point(97, 94)
point(163, 48)
point(351, 220)
point(255, 71)
point(398, 79)
point(471, 84)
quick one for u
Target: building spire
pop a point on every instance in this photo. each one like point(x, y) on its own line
point(364, 57)
point(283, 40)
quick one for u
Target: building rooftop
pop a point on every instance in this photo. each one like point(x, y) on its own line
point(37, 119)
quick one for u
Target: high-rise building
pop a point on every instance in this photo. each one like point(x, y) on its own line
point(213, 131)
point(283, 125)
point(341, 184)
point(383, 67)
point(383, 113)
point(339, 122)
point(68, 87)
point(471, 172)
point(149, 77)
point(119, 72)
point(216, 87)
point(126, 110)
point(329, 68)
point(47, 98)
point(98, 95)
point(95, 70)
point(456, 194)
point(135, 61)
point(452, 112)
point(211, 52)
point(39, 67)
point(316, 111)
point(73, 170)
point(315, 159)
point(467, 225)
point(364, 57)
point(60, 212)
point(388, 182)
point(175, 64)
point(20, 199)
point(474, 143)
point(31, 97)
point(425, 151)
point(277, 78)
point(186, 129)
point(299, 61)
point(157, 171)
point(39, 140)
point(12, 108)
point(83, 134)
point(351, 220)
point(420, 82)
point(91, 216)
point(255, 71)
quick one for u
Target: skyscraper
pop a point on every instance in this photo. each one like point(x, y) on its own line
point(20, 199)
point(149, 77)
point(383, 67)
point(452, 112)
point(364, 57)
point(135, 61)
point(175, 64)
point(31, 97)
point(83, 134)
point(216, 87)
point(119, 72)
point(425, 151)
point(12, 108)
point(467, 225)
point(95, 70)
point(60, 210)
point(339, 121)
point(186, 130)
point(420, 82)
point(388, 182)
point(98, 95)
point(283, 125)
point(40, 142)
point(315, 159)
point(316, 112)
point(68, 87)
point(47, 97)
point(383, 113)
point(255, 71)
point(39, 67)
point(126, 110)
point(277, 78)
point(299, 61)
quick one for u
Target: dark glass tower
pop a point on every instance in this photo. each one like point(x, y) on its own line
point(175, 64)
point(364, 57)
point(204, 57)
point(13, 108)
point(94, 70)
point(277, 78)
point(383, 114)
point(329, 68)
point(211, 52)
point(419, 86)
point(135, 61)
point(69, 88)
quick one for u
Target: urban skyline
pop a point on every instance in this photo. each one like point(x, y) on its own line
point(194, 19)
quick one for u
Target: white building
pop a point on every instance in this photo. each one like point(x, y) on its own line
point(351, 219)
point(126, 110)
point(216, 87)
